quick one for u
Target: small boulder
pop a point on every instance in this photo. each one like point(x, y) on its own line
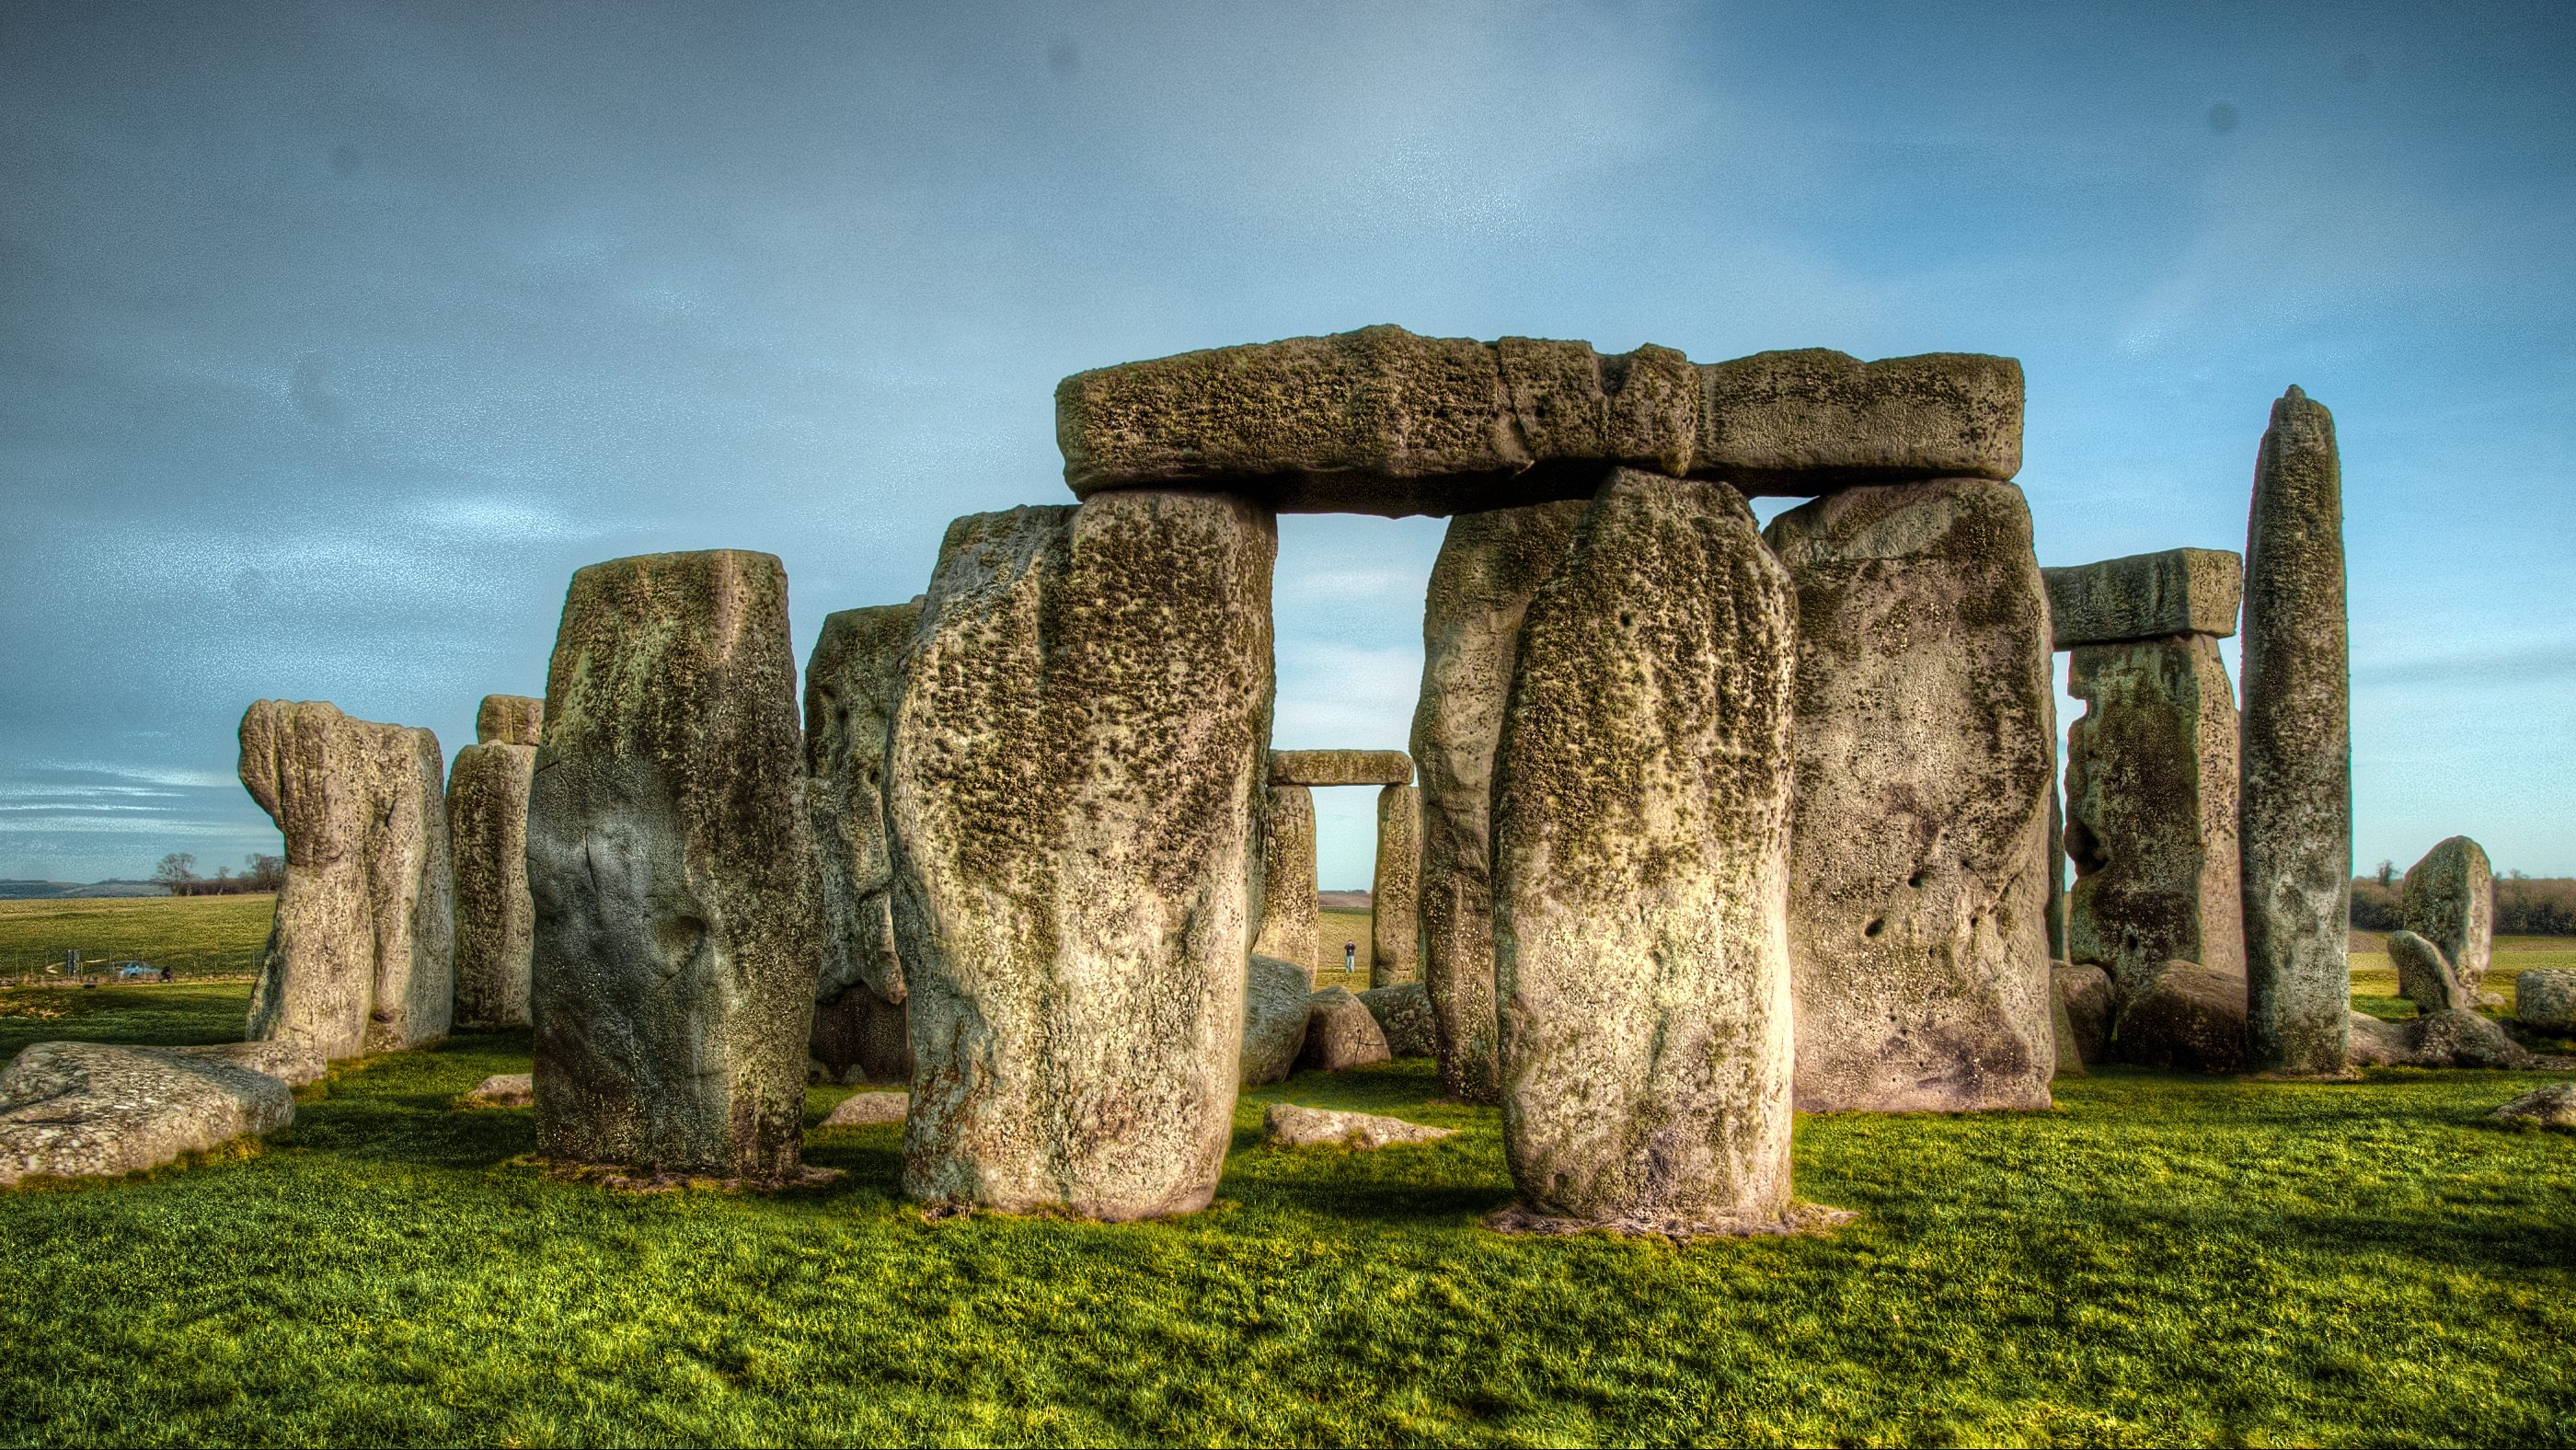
point(2085, 993)
point(863, 1110)
point(503, 1090)
point(1275, 1009)
point(2191, 1017)
point(1285, 1125)
point(2462, 1039)
point(2551, 1107)
point(1340, 1034)
point(1403, 1013)
point(2546, 1000)
point(2379, 1044)
point(2425, 976)
point(85, 1109)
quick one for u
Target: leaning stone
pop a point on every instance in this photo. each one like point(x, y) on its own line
point(2145, 596)
point(853, 681)
point(1276, 1003)
point(865, 1110)
point(1341, 1033)
point(1075, 797)
point(2296, 783)
point(1290, 921)
point(509, 720)
point(1641, 840)
point(487, 830)
point(2056, 858)
point(2089, 1001)
point(2460, 1038)
point(672, 865)
point(2424, 976)
point(2449, 900)
point(2553, 1106)
point(292, 1063)
point(2191, 1017)
point(1403, 1013)
point(87, 1109)
point(1340, 767)
point(1395, 890)
point(360, 957)
point(2546, 1000)
point(2151, 809)
point(503, 1090)
point(1285, 1125)
point(1804, 421)
point(1489, 565)
point(1925, 746)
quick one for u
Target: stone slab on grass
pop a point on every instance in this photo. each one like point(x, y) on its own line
point(90, 1109)
point(1285, 1125)
point(867, 1110)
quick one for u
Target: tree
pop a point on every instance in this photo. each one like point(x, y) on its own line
point(2387, 869)
point(177, 871)
point(263, 872)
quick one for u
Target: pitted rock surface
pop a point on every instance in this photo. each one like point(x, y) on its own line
point(2146, 596)
point(1641, 839)
point(1276, 1003)
point(1286, 1125)
point(2546, 999)
point(2449, 900)
point(1340, 767)
point(2553, 1106)
point(292, 1063)
point(84, 1109)
point(1341, 1033)
point(1403, 1014)
point(503, 1090)
point(360, 957)
point(1925, 746)
point(853, 681)
point(487, 832)
point(1395, 890)
point(2461, 1038)
point(1074, 797)
point(672, 864)
point(1290, 915)
point(2191, 1017)
point(2086, 995)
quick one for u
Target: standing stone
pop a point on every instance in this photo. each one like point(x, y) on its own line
point(361, 956)
point(2056, 874)
point(1341, 1033)
point(1395, 924)
point(487, 831)
point(2449, 900)
point(1641, 839)
point(1925, 744)
point(1290, 915)
point(1075, 798)
point(853, 682)
point(669, 852)
point(2546, 999)
point(2295, 811)
point(1489, 566)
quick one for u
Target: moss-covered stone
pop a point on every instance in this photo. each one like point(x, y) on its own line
point(2425, 976)
point(1395, 923)
point(2191, 1016)
point(90, 1109)
point(1340, 767)
point(2546, 999)
point(853, 681)
point(1341, 1033)
point(2145, 596)
point(1289, 910)
point(487, 832)
point(2449, 900)
point(1276, 1003)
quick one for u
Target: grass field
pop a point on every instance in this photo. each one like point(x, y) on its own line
point(195, 936)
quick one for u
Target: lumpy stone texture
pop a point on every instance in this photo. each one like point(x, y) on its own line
point(1395, 891)
point(678, 925)
point(853, 681)
point(2449, 900)
point(1641, 839)
point(2145, 596)
point(1918, 885)
point(509, 720)
point(2425, 976)
point(1340, 767)
point(1341, 1033)
point(361, 955)
point(1489, 566)
point(1286, 1125)
point(2190, 1017)
point(487, 832)
point(1075, 798)
point(2546, 999)
point(1277, 999)
point(1290, 917)
point(2151, 810)
point(2295, 811)
point(86, 1109)
point(1403, 1014)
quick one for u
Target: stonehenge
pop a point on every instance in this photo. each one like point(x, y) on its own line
point(360, 957)
point(1289, 925)
point(487, 832)
point(1340, 767)
point(90, 1109)
point(853, 681)
point(1290, 929)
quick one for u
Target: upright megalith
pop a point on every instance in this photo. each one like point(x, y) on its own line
point(2449, 900)
point(1641, 839)
point(1289, 910)
point(669, 852)
point(1075, 794)
point(1395, 925)
point(2151, 767)
point(1925, 748)
point(487, 832)
point(360, 957)
point(1489, 566)
point(2295, 808)
point(853, 681)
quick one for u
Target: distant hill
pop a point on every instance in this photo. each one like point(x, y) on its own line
point(35, 890)
point(1342, 900)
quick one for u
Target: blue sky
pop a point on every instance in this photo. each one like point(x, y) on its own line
point(333, 338)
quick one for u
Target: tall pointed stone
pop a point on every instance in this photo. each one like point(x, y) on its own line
point(2295, 809)
point(360, 957)
point(487, 829)
point(2449, 900)
point(1489, 565)
point(853, 682)
point(1074, 797)
point(1926, 721)
point(1395, 925)
point(670, 857)
point(1641, 836)
point(1289, 910)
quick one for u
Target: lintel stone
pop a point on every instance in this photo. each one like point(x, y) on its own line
point(2145, 596)
point(1340, 767)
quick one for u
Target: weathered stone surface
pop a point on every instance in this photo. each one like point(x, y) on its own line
point(1641, 839)
point(862, 1110)
point(1075, 799)
point(2191, 1017)
point(1341, 1033)
point(2295, 810)
point(360, 957)
point(2070, 1053)
point(1403, 1013)
point(292, 1063)
point(2553, 1106)
point(487, 832)
point(2056, 869)
point(509, 720)
point(503, 1090)
point(2449, 900)
point(670, 856)
point(1382, 421)
point(2145, 596)
point(1340, 767)
point(2546, 999)
point(1285, 1125)
point(853, 681)
point(2424, 975)
point(1276, 1003)
point(2462, 1039)
point(2377, 1044)
point(2090, 1003)
point(1289, 912)
point(1395, 891)
point(2151, 810)
point(1925, 746)
point(1489, 566)
point(81, 1109)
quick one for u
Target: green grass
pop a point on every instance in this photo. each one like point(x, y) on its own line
point(195, 936)
point(2161, 1259)
point(155, 1014)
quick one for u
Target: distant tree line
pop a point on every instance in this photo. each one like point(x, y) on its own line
point(2525, 905)
point(178, 871)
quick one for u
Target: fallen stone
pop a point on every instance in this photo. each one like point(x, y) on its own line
point(487, 831)
point(509, 720)
point(1340, 767)
point(360, 957)
point(853, 681)
point(1285, 1125)
point(1403, 1014)
point(672, 864)
point(2553, 1106)
point(2089, 1002)
point(88, 1109)
point(2546, 999)
point(2146, 596)
point(1489, 566)
point(2462, 1039)
point(1395, 891)
point(1925, 746)
point(2424, 975)
point(1289, 912)
point(1276, 1003)
point(2191, 1017)
point(1641, 841)
point(292, 1063)
point(2295, 802)
point(1075, 801)
point(1341, 1033)
point(503, 1090)
point(865, 1110)
point(2449, 900)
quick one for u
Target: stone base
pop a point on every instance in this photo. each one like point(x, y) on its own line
point(1800, 1218)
